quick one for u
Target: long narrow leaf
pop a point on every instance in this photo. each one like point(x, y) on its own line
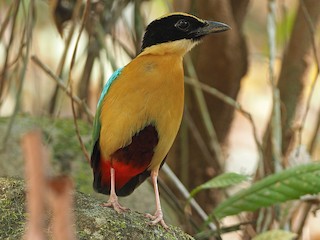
point(283, 186)
point(221, 181)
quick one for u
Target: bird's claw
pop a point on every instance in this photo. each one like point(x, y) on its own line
point(115, 205)
point(157, 218)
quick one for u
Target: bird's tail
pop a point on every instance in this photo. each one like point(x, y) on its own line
point(127, 176)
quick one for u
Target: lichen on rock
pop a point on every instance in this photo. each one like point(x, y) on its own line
point(92, 220)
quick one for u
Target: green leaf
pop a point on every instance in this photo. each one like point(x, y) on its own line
point(221, 181)
point(275, 235)
point(280, 187)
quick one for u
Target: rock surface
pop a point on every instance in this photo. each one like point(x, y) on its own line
point(92, 220)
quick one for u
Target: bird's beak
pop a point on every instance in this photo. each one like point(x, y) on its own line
point(211, 27)
point(215, 27)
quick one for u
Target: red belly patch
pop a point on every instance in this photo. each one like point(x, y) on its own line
point(123, 172)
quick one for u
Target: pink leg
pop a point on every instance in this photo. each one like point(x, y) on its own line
point(158, 216)
point(113, 199)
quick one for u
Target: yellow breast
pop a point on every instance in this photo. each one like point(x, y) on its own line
point(149, 90)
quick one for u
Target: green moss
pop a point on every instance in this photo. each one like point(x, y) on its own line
point(92, 220)
point(12, 215)
point(60, 139)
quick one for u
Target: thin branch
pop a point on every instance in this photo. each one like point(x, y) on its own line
point(232, 228)
point(230, 101)
point(175, 203)
point(8, 49)
point(124, 47)
point(166, 169)
point(214, 142)
point(84, 19)
point(62, 85)
point(315, 136)
point(28, 36)
point(276, 129)
point(304, 218)
point(62, 63)
point(6, 20)
point(199, 139)
point(101, 39)
point(184, 153)
point(84, 150)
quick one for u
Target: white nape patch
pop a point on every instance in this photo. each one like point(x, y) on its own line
point(180, 47)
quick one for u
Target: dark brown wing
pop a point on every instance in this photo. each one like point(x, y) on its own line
point(130, 163)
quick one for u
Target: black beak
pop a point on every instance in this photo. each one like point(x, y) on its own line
point(210, 27)
point(215, 27)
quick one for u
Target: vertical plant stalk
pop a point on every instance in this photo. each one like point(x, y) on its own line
point(276, 130)
point(83, 23)
point(35, 161)
point(303, 219)
point(6, 20)
point(75, 15)
point(138, 25)
point(3, 74)
point(166, 169)
point(197, 136)
point(27, 37)
point(265, 216)
point(314, 138)
point(61, 201)
point(206, 118)
point(53, 100)
point(184, 136)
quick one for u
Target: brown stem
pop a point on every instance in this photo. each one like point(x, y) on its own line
point(35, 160)
point(61, 201)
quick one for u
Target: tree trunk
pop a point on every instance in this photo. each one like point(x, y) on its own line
point(292, 79)
point(221, 59)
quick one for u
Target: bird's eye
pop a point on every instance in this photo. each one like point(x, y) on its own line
point(182, 25)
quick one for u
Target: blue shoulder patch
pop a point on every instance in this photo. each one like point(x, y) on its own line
point(108, 84)
point(96, 123)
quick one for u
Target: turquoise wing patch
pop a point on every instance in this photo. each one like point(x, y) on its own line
point(96, 122)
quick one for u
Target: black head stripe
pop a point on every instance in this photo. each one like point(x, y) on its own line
point(171, 28)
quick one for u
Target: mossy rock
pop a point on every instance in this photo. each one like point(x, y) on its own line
point(58, 136)
point(92, 220)
point(66, 158)
point(12, 211)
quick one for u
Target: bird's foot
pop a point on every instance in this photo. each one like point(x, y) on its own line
point(157, 218)
point(114, 203)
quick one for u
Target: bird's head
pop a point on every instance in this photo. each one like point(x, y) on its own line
point(178, 32)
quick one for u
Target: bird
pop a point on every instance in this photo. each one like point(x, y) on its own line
point(140, 109)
